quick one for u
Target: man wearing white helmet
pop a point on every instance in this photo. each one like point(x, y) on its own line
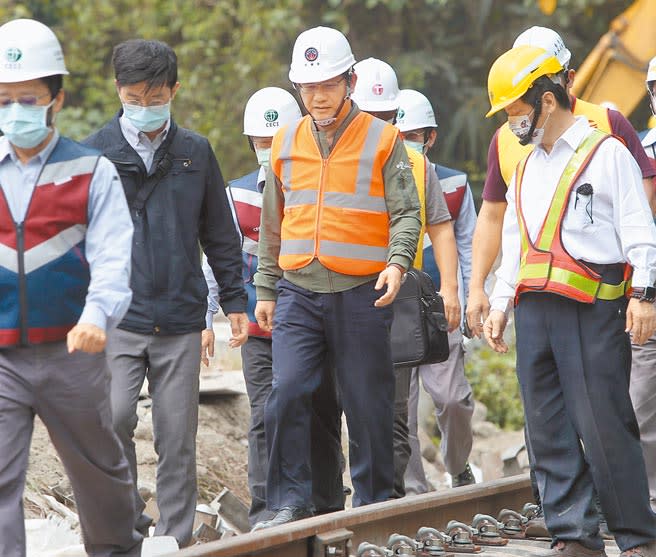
point(643, 378)
point(340, 225)
point(64, 274)
point(506, 151)
point(267, 111)
point(445, 382)
point(377, 93)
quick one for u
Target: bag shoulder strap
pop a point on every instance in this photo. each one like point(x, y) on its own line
point(164, 161)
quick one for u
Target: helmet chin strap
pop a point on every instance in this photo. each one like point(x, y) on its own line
point(537, 111)
point(330, 121)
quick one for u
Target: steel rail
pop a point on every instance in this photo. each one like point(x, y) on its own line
point(373, 523)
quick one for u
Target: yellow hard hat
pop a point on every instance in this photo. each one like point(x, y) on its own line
point(513, 73)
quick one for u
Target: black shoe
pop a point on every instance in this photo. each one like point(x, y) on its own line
point(283, 516)
point(466, 477)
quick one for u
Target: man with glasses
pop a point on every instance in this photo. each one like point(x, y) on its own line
point(340, 225)
point(177, 200)
point(65, 239)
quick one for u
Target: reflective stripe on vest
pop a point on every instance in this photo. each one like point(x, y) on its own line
point(335, 208)
point(546, 265)
point(511, 152)
point(419, 168)
point(44, 274)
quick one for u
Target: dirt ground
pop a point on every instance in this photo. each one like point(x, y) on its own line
point(222, 444)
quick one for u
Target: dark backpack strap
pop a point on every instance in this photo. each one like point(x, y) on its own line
point(163, 161)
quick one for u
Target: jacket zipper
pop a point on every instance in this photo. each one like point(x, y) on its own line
point(22, 281)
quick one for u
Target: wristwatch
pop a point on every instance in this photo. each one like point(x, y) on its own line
point(646, 294)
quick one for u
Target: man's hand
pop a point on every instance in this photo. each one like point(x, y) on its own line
point(451, 307)
point(264, 314)
point(493, 328)
point(478, 309)
point(239, 329)
point(86, 338)
point(206, 346)
point(640, 320)
point(390, 276)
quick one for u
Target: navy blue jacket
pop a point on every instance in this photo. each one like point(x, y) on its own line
point(188, 208)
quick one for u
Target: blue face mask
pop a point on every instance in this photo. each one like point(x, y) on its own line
point(25, 126)
point(147, 118)
point(415, 145)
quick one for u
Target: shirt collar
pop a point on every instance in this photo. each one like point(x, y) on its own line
point(7, 150)
point(573, 135)
point(261, 175)
point(134, 136)
point(650, 138)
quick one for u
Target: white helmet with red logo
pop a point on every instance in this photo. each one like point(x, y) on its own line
point(377, 89)
point(319, 54)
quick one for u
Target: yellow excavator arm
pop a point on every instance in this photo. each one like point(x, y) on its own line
point(615, 69)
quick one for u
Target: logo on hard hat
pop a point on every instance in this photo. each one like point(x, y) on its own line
point(400, 114)
point(311, 54)
point(271, 116)
point(13, 55)
point(377, 89)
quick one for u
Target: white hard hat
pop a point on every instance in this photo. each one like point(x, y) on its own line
point(415, 111)
point(651, 71)
point(29, 50)
point(268, 110)
point(319, 54)
point(545, 38)
point(377, 88)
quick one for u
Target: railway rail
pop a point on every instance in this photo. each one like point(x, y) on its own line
point(340, 534)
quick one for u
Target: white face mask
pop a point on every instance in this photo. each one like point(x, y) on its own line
point(520, 126)
point(263, 156)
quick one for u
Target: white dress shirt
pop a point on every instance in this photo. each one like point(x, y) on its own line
point(139, 141)
point(612, 225)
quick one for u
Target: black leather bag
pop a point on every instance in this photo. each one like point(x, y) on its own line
point(419, 328)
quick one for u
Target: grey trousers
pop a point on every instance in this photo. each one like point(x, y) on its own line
point(172, 365)
point(643, 396)
point(70, 393)
point(452, 396)
point(326, 424)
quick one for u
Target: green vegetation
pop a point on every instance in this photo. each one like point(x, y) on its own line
point(227, 49)
point(494, 382)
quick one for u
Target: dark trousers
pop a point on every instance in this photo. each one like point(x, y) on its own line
point(402, 448)
point(573, 363)
point(326, 424)
point(311, 333)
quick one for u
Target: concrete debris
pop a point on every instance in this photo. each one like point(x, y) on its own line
point(233, 511)
point(159, 545)
point(205, 533)
point(52, 537)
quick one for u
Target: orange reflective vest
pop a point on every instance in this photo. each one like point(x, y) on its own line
point(511, 151)
point(335, 208)
point(545, 265)
point(420, 167)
